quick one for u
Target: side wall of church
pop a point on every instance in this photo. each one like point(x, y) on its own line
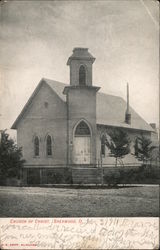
point(45, 116)
point(128, 159)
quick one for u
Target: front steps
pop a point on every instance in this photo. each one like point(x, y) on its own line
point(86, 175)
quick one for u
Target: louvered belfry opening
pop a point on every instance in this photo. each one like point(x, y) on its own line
point(82, 76)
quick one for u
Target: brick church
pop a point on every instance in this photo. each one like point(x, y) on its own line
point(61, 127)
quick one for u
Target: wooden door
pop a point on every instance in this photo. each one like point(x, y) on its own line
point(81, 152)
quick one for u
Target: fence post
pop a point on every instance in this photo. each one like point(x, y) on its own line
point(102, 175)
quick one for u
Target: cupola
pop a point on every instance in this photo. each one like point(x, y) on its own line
point(80, 63)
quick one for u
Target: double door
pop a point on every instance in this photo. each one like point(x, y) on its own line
point(81, 150)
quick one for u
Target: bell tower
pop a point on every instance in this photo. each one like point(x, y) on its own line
point(80, 63)
point(81, 109)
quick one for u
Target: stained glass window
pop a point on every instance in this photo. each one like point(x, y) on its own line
point(36, 146)
point(103, 145)
point(82, 129)
point(49, 145)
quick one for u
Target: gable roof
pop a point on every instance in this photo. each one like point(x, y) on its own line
point(110, 109)
point(56, 87)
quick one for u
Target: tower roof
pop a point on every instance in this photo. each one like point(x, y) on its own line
point(80, 54)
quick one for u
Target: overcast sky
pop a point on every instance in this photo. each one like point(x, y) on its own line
point(37, 37)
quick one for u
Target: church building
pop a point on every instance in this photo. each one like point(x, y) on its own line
point(61, 127)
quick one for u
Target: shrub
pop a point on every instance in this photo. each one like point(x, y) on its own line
point(10, 157)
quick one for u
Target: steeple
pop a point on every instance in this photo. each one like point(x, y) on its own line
point(128, 114)
point(81, 108)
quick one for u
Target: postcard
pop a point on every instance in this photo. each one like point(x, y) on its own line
point(79, 124)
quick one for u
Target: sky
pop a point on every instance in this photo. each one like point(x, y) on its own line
point(37, 37)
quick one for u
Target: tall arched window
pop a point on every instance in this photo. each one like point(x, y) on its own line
point(49, 145)
point(36, 146)
point(82, 75)
point(103, 145)
point(82, 129)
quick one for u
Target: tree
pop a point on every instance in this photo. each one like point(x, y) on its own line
point(118, 144)
point(10, 157)
point(143, 148)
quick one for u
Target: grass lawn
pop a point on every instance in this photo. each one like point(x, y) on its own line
point(64, 202)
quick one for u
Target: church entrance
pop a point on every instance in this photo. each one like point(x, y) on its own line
point(82, 144)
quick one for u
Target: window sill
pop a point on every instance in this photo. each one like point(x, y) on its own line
point(49, 156)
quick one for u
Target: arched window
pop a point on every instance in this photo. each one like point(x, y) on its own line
point(103, 145)
point(36, 146)
point(49, 145)
point(82, 129)
point(82, 75)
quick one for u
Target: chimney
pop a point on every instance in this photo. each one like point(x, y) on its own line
point(128, 114)
point(153, 125)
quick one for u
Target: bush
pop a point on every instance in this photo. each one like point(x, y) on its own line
point(144, 174)
point(10, 157)
point(112, 178)
point(59, 176)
